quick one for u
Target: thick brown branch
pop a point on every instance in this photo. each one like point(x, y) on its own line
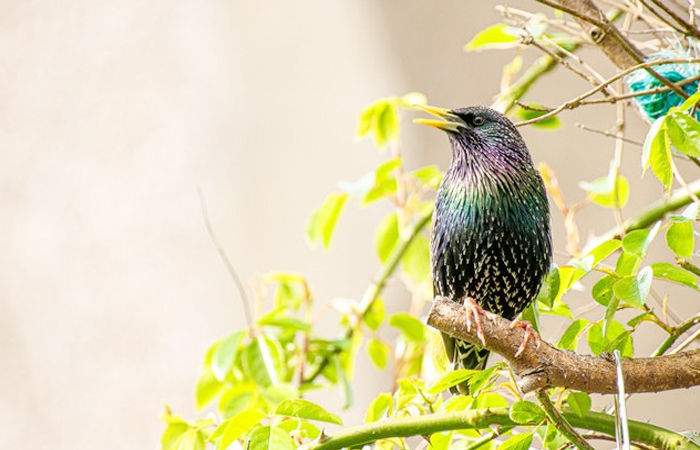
point(546, 366)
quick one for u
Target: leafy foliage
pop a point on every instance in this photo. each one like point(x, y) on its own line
point(256, 383)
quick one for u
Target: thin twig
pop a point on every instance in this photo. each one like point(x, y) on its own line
point(556, 419)
point(689, 340)
point(608, 134)
point(571, 104)
point(222, 254)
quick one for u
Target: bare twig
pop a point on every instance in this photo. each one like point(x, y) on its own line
point(227, 262)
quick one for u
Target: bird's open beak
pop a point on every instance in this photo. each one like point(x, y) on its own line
point(449, 122)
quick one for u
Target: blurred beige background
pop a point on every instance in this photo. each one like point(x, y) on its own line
point(112, 113)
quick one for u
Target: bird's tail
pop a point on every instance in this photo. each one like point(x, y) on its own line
point(464, 355)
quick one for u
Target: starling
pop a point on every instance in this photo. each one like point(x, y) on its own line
point(491, 244)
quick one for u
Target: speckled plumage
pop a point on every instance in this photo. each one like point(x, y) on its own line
point(491, 237)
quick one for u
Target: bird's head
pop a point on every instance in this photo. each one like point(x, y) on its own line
point(478, 131)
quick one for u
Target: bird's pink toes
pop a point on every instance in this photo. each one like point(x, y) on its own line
point(474, 315)
point(530, 333)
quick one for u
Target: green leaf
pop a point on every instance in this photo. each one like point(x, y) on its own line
point(374, 317)
point(525, 412)
point(415, 262)
point(536, 110)
point(634, 289)
point(569, 339)
point(440, 441)
point(208, 388)
point(225, 354)
point(608, 192)
point(579, 402)
point(386, 124)
point(627, 264)
point(270, 438)
point(323, 221)
point(384, 181)
point(615, 337)
point(284, 322)
point(412, 328)
point(174, 429)
point(684, 132)
point(379, 407)
point(483, 379)
point(429, 176)
point(451, 379)
point(262, 361)
point(517, 442)
point(668, 271)
point(378, 352)
point(550, 288)
point(191, 439)
point(237, 426)
point(602, 291)
point(490, 400)
point(690, 101)
point(568, 275)
point(381, 119)
point(637, 242)
point(387, 236)
point(681, 239)
point(499, 35)
point(657, 153)
point(306, 410)
point(237, 399)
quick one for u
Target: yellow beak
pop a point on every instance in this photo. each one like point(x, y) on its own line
point(445, 124)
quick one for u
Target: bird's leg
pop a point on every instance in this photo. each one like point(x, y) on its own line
point(530, 333)
point(474, 315)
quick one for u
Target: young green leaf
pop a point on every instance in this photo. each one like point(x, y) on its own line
point(690, 101)
point(225, 354)
point(615, 337)
point(550, 288)
point(208, 388)
point(412, 328)
point(684, 132)
point(657, 153)
point(440, 441)
point(602, 291)
point(668, 271)
point(536, 110)
point(429, 176)
point(680, 238)
point(499, 35)
point(379, 407)
point(415, 262)
point(374, 317)
point(517, 442)
point(237, 426)
point(525, 412)
point(387, 236)
point(607, 192)
point(451, 379)
point(378, 352)
point(637, 242)
point(262, 361)
point(569, 339)
point(384, 181)
point(634, 289)
point(579, 402)
point(306, 410)
point(270, 438)
point(323, 221)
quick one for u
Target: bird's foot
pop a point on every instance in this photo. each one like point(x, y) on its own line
point(474, 316)
point(530, 333)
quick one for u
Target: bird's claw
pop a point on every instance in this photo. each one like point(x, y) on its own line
point(474, 315)
point(530, 333)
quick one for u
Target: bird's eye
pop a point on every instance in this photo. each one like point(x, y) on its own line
point(477, 121)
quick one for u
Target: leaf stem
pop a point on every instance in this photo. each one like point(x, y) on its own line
point(556, 419)
point(677, 332)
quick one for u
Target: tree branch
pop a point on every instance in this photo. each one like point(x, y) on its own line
point(640, 432)
point(556, 418)
point(546, 366)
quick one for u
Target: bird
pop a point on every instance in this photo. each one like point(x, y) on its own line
point(491, 245)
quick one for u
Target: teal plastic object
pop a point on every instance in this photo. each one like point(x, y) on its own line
point(657, 105)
